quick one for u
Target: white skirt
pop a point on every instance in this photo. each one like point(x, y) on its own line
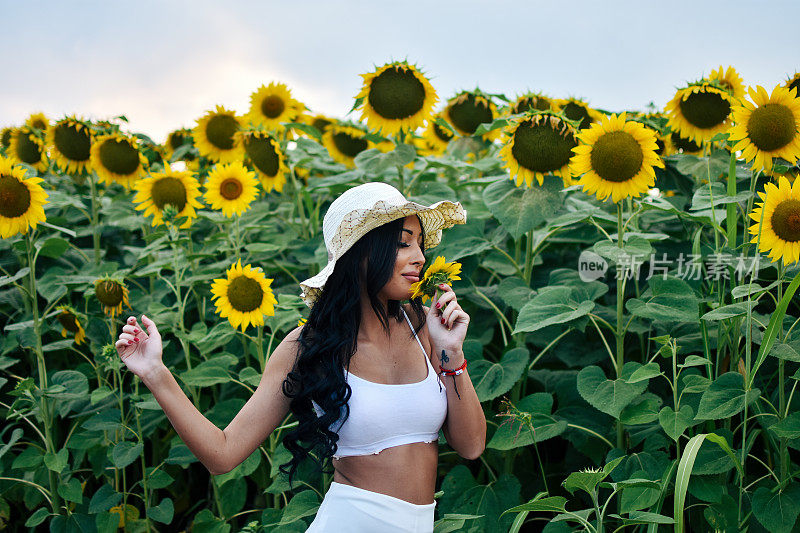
point(349, 509)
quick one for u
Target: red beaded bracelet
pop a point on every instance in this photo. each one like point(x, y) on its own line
point(453, 372)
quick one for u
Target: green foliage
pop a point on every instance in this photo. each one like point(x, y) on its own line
point(589, 423)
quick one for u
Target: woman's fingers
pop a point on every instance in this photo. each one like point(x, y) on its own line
point(127, 337)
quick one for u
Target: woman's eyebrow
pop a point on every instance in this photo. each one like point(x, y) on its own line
point(411, 232)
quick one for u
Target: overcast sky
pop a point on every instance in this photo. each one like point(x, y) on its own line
point(164, 63)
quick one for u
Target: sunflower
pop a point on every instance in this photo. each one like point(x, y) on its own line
point(27, 147)
point(578, 110)
point(616, 158)
point(686, 146)
point(21, 199)
point(780, 233)
point(665, 145)
point(794, 83)
point(5, 137)
point(439, 272)
point(539, 143)
point(700, 111)
point(397, 96)
point(344, 142)
point(70, 141)
point(320, 122)
point(70, 323)
point(302, 322)
point(231, 188)
point(769, 127)
point(117, 159)
point(265, 154)
point(177, 188)
point(38, 121)
point(468, 110)
point(215, 136)
point(112, 294)
point(271, 105)
point(729, 80)
point(530, 102)
point(244, 297)
point(175, 139)
point(437, 137)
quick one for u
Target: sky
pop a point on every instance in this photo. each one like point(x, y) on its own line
point(163, 64)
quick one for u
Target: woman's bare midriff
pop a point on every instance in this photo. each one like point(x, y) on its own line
point(407, 472)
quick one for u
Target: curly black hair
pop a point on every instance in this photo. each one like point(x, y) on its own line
point(329, 339)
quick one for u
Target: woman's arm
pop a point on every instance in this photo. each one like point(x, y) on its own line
point(465, 425)
point(218, 450)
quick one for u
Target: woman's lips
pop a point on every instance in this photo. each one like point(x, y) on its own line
point(411, 278)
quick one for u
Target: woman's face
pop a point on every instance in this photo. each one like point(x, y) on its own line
point(409, 262)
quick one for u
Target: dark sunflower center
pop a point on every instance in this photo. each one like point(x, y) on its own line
point(15, 198)
point(575, 111)
point(786, 220)
point(705, 109)
point(321, 124)
point(72, 143)
point(245, 294)
point(396, 93)
point(272, 106)
point(220, 130)
point(28, 151)
point(617, 156)
point(119, 157)
point(68, 322)
point(771, 126)
point(169, 190)
point(39, 124)
point(682, 143)
point(5, 139)
point(349, 145)
point(262, 154)
point(531, 103)
point(175, 140)
point(470, 113)
point(109, 293)
point(231, 189)
point(442, 133)
point(540, 148)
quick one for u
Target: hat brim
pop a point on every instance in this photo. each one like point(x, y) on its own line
point(434, 218)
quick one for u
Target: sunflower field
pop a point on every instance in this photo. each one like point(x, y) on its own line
point(631, 279)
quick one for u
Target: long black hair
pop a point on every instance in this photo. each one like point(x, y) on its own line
point(329, 339)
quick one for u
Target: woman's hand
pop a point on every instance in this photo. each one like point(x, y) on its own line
point(447, 322)
point(140, 351)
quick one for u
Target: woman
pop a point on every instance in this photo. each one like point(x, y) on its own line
point(353, 375)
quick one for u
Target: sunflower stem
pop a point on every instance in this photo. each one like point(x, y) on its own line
point(296, 190)
point(95, 218)
point(528, 257)
point(42, 369)
point(260, 346)
point(136, 412)
point(749, 349)
point(238, 240)
point(619, 333)
point(784, 450)
point(732, 217)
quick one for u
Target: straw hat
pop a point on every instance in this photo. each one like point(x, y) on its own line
point(365, 207)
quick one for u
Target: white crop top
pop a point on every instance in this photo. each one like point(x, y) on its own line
point(385, 415)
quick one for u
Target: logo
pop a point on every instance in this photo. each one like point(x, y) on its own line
point(591, 266)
